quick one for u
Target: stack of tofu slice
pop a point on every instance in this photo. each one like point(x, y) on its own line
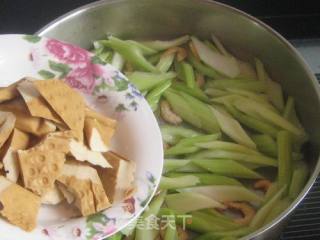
point(53, 149)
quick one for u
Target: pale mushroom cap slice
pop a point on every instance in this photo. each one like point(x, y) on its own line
point(65, 101)
point(20, 207)
point(36, 103)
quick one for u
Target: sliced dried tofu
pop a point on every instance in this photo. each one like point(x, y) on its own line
point(7, 121)
point(37, 105)
point(66, 194)
point(18, 140)
point(98, 136)
point(19, 206)
point(81, 153)
point(40, 168)
point(24, 121)
point(56, 141)
point(100, 117)
point(10, 92)
point(66, 102)
point(118, 180)
point(84, 183)
point(53, 197)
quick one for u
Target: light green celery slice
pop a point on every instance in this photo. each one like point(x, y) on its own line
point(227, 168)
point(178, 182)
point(233, 129)
point(163, 45)
point(173, 164)
point(299, 179)
point(225, 193)
point(188, 201)
point(172, 134)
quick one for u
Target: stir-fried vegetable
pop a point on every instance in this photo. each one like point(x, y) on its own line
point(231, 139)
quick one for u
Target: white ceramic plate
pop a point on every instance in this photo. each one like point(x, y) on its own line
point(137, 137)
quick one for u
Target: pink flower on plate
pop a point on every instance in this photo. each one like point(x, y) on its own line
point(67, 52)
point(81, 78)
point(104, 230)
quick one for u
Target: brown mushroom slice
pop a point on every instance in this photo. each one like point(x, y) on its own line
point(118, 180)
point(19, 206)
point(36, 103)
point(66, 102)
point(18, 140)
point(84, 183)
point(98, 136)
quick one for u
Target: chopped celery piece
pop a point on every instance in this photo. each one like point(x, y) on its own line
point(211, 46)
point(203, 110)
point(172, 134)
point(165, 62)
point(117, 61)
point(227, 168)
point(188, 74)
point(173, 164)
point(299, 179)
point(224, 64)
point(217, 220)
point(289, 112)
point(191, 141)
point(182, 108)
point(274, 92)
point(191, 168)
point(145, 81)
point(203, 69)
point(171, 230)
point(243, 157)
point(225, 193)
point(249, 85)
point(253, 123)
point(251, 95)
point(153, 97)
point(284, 142)
point(254, 108)
point(213, 92)
point(280, 206)
point(232, 128)
point(195, 92)
point(147, 51)
point(208, 178)
point(154, 59)
point(163, 45)
point(226, 235)
point(152, 210)
point(263, 212)
point(130, 52)
point(178, 182)
point(266, 144)
point(180, 150)
point(272, 190)
point(222, 145)
point(117, 236)
point(188, 201)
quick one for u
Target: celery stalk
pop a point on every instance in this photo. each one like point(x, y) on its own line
point(208, 178)
point(188, 74)
point(232, 128)
point(180, 150)
point(213, 92)
point(273, 189)
point(173, 164)
point(165, 62)
point(172, 134)
point(280, 206)
point(227, 168)
point(191, 168)
point(266, 144)
point(145, 81)
point(222, 145)
point(263, 212)
point(147, 51)
point(178, 182)
point(299, 179)
point(237, 156)
point(284, 142)
point(117, 61)
point(225, 193)
point(248, 85)
point(171, 230)
point(191, 141)
point(195, 92)
point(153, 97)
point(163, 45)
point(188, 201)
